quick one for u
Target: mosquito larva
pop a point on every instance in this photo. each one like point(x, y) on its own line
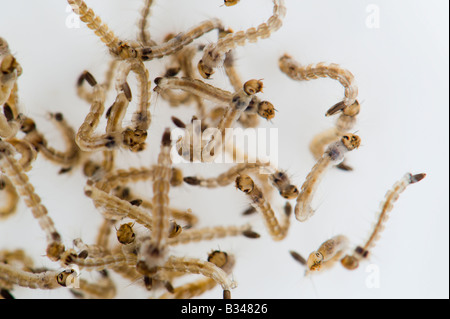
point(116, 47)
point(227, 177)
point(193, 86)
point(133, 174)
point(27, 151)
point(141, 118)
point(239, 102)
point(207, 269)
point(278, 230)
point(362, 252)
point(334, 154)
point(214, 54)
point(143, 35)
point(115, 208)
point(66, 158)
point(70, 257)
point(210, 233)
point(103, 288)
point(320, 70)
point(43, 280)
point(220, 259)
point(11, 167)
point(160, 201)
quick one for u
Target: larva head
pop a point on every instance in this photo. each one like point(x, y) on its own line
point(221, 259)
point(177, 177)
point(353, 109)
point(245, 183)
point(9, 64)
point(134, 139)
point(90, 168)
point(350, 262)
point(204, 70)
point(351, 141)
point(289, 192)
point(266, 110)
point(314, 262)
point(28, 125)
point(125, 51)
point(125, 234)
point(218, 258)
point(252, 87)
point(63, 278)
point(55, 250)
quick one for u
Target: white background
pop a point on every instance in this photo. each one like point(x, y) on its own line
point(401, 68)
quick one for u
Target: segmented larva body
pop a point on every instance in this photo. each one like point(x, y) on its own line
point(115, 208)
point(143, 34)
point(103, 235)
point(321, 70)
point(115, 45)
point(66, 158)
point(91, 251)
point(237, 105)
point(141, 118)
point(278, 230)
point(214, 54)
point(227, 177)
point(160, 200)
point(198, 287)
point(44, 280)
point(99, 263)
point(334, 154)
point(116, 113)
point(191, 290)
point(205, 268)
point(386, 206)
point(179, 41)
point(196, 235)
point(11, 167)
point(361, 252)
point(194, 86)
point(122, 176)
point(103, 288)
point(26, 150)
point(84, 137)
